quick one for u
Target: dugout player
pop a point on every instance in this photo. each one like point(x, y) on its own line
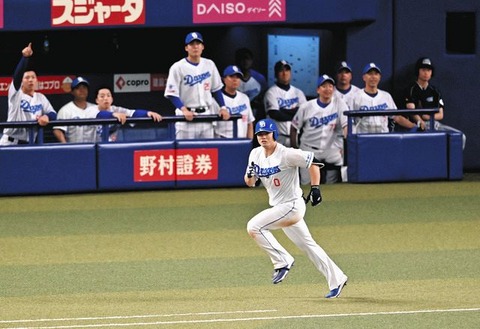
point(276, 166)
point(373, 98)
point(104, 100)
point(236, 103)
point(77, 109)
point(282, 101)
point(422, 95)
point(344, 87)
point(191, 82)
point(253, 83)
point(323, 125)
point(24, 103)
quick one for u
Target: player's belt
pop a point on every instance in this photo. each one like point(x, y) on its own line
point(312, 147)
point(19, 141)
point(198, 109)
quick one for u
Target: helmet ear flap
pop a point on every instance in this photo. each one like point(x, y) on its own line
point(275, 133)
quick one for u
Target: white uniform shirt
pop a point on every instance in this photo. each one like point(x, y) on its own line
point(321, 127)
point(114, 109)
point(279, 171)
point(278, 99)
point(23, 107)
point(78, 134)
point(365, 102)
point(251, 87)
point(254, 85)
point(194, 85)
point(239, 104)
point(349, 95)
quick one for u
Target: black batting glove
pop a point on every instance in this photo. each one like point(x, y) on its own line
point(251, 170)
point(315, 196)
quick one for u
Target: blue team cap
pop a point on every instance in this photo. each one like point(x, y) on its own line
point(371, 66)
point(192, 36)
point(78, 81)
point(324, 78)
point(232, 70)
point(344, 66)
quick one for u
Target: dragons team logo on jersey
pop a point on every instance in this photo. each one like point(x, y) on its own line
point(266, 172)
point(192, 80)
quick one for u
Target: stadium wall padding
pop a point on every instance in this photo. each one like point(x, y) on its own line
point(47, 169)
point(70, 168)
point(398, 157)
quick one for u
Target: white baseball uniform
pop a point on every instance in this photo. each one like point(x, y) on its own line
point(365, 102)
point(254, 85)
point(278, 99)
point(194, 85)
point(113, 128)
point(78, 134)
point(238, 104)
point(279, 174)
point(321, 126)
point(348, 95)
point(23, 107)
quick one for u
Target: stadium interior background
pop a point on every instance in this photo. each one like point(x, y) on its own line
point(391, 33)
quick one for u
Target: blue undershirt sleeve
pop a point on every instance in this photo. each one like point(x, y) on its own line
point(19, 70)
point(176, 101)
point(140, 113)
point(218, 95)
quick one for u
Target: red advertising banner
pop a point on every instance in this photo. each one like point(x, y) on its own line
point(47, 84)
point(158, 81)
point(97, 12)
point(224, 11)
point(168, 165)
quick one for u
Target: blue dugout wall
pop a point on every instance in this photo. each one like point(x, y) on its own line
point(392, 33)
point(169, 164)
point(141, 161)
point(56, 169)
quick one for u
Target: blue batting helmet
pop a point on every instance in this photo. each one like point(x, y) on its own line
point(267, 125)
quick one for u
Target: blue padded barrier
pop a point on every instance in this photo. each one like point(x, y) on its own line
point(455, 156)
point(161, 165)
point(47, 169)
point(397, 157)
point(116, 166)
point(231, 165)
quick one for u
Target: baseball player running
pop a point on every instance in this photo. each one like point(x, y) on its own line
point(190, 84)
point(277, 168)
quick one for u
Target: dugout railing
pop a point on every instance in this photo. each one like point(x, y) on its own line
point(167, 124)
point(402, 156)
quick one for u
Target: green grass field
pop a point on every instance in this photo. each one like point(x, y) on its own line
point(183, 259)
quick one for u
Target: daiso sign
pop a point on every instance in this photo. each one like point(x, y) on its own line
point(223, 8)
point(221, 11)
